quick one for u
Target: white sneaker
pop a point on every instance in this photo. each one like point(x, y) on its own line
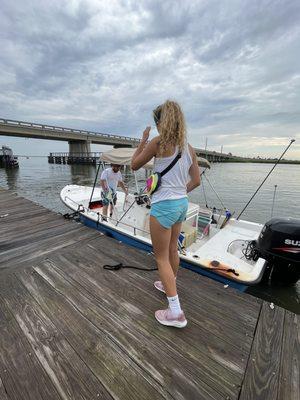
point(165, 317)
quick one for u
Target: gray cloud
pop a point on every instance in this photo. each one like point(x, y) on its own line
point(104, 66)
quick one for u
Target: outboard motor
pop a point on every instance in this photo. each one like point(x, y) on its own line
point(279, 245)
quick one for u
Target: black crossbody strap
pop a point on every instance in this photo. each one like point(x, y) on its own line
point(166, 170)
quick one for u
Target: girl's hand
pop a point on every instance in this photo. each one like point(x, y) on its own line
point(146, 134)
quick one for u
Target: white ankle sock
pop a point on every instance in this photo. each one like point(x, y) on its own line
point(174, 305)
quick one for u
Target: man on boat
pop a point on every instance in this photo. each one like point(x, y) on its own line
point(110, 179)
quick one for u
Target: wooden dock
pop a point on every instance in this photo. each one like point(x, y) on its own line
point(71, 330)
point(74, 158)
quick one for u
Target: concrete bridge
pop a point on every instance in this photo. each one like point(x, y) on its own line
point(80, 140)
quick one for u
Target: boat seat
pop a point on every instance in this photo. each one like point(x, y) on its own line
point(204, 221)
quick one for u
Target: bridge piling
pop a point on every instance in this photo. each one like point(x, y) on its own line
point(79, 146)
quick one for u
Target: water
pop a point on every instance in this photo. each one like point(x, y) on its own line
point(235, 183)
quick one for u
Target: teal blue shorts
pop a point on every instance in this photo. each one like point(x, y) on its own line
point(170, 212)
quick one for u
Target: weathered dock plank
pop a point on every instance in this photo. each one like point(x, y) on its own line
point(104, 356)
point(39, 249)
point(289, 379)
point(28, 231)
point(72, 330)
point(263, 370)
point(21, 373)
point(111, 316)
point(67, 371)
point(3, 394)
point(273, 371)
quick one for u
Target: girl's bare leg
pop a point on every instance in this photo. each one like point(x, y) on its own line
point(173, 247)
point(161, 237)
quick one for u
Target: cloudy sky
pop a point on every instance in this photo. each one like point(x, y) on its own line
point(234, 66)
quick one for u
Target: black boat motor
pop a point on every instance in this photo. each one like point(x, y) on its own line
point(279, 245)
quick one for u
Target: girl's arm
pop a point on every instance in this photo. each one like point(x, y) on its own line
point(194, 172)
point(145, 152)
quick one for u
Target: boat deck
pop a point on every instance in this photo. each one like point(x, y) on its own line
point(72, 330)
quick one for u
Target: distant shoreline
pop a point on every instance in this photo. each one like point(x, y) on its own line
point(261, 161)
point(237, 160)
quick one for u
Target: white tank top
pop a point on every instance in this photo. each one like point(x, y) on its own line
point(173, 184)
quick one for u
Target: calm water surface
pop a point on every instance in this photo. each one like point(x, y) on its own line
point(234, 183)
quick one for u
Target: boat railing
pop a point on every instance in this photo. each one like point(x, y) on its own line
point(120, 222)
point(111, 219)
point(73, 201)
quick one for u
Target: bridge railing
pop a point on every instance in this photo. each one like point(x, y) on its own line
point(60, 129)
point(92, 154)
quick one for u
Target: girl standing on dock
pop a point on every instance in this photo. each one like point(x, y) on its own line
point(169, 202)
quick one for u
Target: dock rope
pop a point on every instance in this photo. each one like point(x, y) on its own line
point(120, 265)
point(251, 252)
point(74, 215)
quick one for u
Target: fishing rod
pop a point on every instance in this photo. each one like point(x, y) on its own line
point(204, 194)
point(291, 142)
point(224, 207)
point(275, 187)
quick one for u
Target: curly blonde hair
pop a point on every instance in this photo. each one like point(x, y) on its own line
point(170, 123)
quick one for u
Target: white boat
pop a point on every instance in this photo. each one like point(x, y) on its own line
point(224, 249)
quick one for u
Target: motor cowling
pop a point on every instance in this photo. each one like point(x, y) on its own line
point(279, 244)
point(280, 238)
